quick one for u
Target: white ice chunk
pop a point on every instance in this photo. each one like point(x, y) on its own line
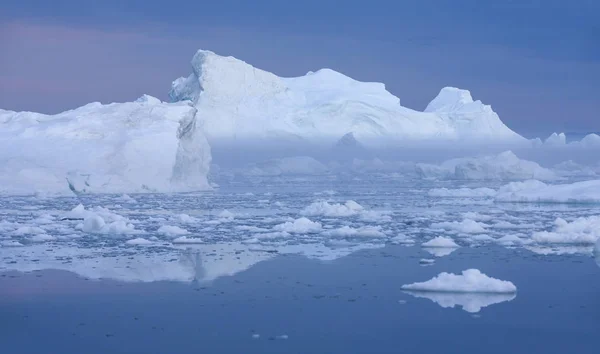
point(440, 242)
point(470, 281)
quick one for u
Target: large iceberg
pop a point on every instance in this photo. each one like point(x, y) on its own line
point(239, 102)
point(141, 146)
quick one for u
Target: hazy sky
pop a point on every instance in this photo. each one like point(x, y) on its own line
point(536, 62)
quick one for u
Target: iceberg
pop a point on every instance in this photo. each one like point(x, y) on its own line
point(141, 146)
point(470, 281)
point(583, 230)
point(240, 102)
point(504, 166)
point(533, 191)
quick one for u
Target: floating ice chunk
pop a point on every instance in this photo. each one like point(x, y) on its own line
point(300, 226)
point(139, 242)
point(533, 191)
point(323, 208)
point(583, 230)
point(440, 242)
point(188, 240)
point(471, 281)
point(185, 219)
point(42, 238)
point(439, 251)
point(426, 261)
point(467, 226)
point(172, 231)
point(283, 336)
point(470, 302)
point(255, 336)
point(462, 193)
point(364, 231)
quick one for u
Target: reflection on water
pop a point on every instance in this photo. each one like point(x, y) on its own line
point(470, 302)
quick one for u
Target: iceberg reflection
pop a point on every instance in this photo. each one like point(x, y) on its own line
point(470, 302)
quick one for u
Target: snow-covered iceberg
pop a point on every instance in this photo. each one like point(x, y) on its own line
point(504, 166)
point(141, 146)
point(239, 101)
point(470, 281)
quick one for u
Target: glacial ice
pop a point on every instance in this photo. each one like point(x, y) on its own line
point(241, 102)
point(583, 230)
point(504, 166)
point(141, 146)
point(533, 191)
point(440, 242)
point(470, 281)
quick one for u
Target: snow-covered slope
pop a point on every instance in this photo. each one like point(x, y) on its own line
point(138, 146)
point(237, 102)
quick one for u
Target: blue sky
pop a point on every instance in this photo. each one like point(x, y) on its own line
point(536, 62)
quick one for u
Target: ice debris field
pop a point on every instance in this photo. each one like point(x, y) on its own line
point(143, 191)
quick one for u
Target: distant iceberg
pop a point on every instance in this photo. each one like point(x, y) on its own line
point(504, 166)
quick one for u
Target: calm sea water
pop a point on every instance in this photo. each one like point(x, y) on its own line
point(94, 294)
point(295, 305)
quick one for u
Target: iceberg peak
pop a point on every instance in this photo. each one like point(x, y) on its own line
point(238, 101)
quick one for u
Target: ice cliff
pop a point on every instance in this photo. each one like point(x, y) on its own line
point(141, 146)
point(238, 101)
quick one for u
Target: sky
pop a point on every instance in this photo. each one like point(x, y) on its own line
point(536, 62)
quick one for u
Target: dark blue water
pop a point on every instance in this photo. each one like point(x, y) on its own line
point(350, 305)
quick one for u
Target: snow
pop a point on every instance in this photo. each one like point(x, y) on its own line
point(533, 191)
point(583, 230)
point(100, 148)
point(171, 231)
point(470, 281)
point(467, 226)
point(504, 166)
point(441, 242)
point(241, 102)
point(300, 226)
